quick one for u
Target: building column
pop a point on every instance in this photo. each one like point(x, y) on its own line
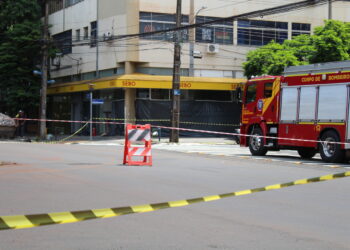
point(130, 96)
point(289, 31)
point(235, 32)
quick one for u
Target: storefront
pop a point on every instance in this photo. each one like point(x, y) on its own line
point(206, 103)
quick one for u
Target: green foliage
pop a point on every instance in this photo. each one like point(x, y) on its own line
point(330, 42)
point(269, 60)
point(20, 33)
point(301, 46)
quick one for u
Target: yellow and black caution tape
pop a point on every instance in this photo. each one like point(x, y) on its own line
point(36, 220)
point(66, 138)
point(132, 119)
point(211, 124)
point(167, 120)
point(76, 132)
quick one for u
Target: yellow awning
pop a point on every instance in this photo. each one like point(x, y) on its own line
point(140, 81)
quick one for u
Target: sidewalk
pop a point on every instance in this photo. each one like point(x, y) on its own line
point(164, 140)
point(119, 140)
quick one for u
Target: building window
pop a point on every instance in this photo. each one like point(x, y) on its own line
point(77, 35)
point(63, 42)
point(55, 6)
point(142, 93)
point(72, 2)
point(150, 22)
point(93, 34)
point(258, 33)
point(268, 89)
point(221, 32)
point(86, 33)
point(251, 93)
point(160, 94)
point(211, 95)
point(119, 94)
point(301, 29)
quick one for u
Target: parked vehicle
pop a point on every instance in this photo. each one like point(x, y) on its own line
point(306, 109)
point(7, 126)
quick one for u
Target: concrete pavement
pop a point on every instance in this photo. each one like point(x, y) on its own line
point(54, 178)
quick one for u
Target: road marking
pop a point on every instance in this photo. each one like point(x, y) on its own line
point(36, 220)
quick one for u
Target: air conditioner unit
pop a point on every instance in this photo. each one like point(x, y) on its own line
point(56, 61)
point(107, 36)
point(212, 48)
point(197, 54)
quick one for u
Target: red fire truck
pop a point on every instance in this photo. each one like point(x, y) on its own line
point(306, 109)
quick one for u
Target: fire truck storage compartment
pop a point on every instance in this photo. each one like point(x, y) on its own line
point(307, 108)
point(332, 103)
point(300, 111)
point(289, 105)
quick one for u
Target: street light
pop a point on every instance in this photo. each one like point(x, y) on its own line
point(51, 81)
point(39, 73)
point(202, 8)
point(192, 38)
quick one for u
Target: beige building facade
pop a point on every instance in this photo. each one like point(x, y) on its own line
point(87, 31)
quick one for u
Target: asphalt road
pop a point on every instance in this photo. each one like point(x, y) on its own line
point(52, 178)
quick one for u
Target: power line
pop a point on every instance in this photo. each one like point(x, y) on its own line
point(269, 11)
point(258, 13)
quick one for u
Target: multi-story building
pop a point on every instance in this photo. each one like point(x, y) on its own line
point(132, 75)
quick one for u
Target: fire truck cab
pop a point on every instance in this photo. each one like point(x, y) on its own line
point(306, 109)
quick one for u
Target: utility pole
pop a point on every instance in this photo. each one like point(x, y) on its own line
point(97, 40)
point(175, 109)
point(329, 9)
point(191, 38)
point(44, 67)
point(97, 73)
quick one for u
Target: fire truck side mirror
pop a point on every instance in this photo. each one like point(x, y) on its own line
point(238, 95)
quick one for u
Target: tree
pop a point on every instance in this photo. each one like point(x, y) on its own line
point(20, 29)
point(331, 42)
point(302, 47)
point(269, 60)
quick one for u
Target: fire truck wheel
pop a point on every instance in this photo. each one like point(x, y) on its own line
point(256, 144)
point(331, 152)
point(307, 153)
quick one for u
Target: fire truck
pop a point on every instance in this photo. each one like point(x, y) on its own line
point(306, 109)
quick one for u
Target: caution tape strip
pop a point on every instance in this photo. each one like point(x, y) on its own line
point(62, 140)
point(196, 130)
point(131, 119)
point(166, 120)
point(36, 220)
point(76, 132)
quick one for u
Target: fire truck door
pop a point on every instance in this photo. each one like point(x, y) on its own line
point(250, 102)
